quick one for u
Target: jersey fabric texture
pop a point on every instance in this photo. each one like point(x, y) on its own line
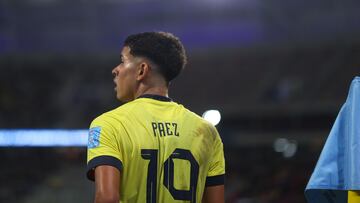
point(165, 153)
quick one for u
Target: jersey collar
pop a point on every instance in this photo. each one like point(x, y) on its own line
point(156, 97)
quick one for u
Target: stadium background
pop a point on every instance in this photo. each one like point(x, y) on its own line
point(277, 70)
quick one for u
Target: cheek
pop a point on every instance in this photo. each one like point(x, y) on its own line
point(126, 79)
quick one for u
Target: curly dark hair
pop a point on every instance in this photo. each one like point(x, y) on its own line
point(162, 48)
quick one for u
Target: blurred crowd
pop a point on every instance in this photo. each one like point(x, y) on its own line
point(260, 175)
point(69, 93)
point(254, 175)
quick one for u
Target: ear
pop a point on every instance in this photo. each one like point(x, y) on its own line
point(142, 71)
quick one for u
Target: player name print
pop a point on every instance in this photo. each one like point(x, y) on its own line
point(163, 129)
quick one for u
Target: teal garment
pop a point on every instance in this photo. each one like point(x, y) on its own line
point(338, 168)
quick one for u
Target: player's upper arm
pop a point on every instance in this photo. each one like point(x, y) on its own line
point(103, 146)
point(214, 194)
point(107, 184)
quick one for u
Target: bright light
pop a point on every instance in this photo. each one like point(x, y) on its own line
point(290, 150)
point(43, 138)
point(280, 144)
point(213, 116)
point(287, 147)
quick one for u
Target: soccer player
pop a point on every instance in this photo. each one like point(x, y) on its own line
point(152, 149)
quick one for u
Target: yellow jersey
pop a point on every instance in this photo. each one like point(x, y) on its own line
point(353, 196)
point(165, 153)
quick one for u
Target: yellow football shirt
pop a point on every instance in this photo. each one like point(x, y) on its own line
point(165, 152)
point(353, 196)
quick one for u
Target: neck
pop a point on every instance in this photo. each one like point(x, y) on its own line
point(162, 91)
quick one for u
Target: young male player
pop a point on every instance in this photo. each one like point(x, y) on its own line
point(151, 149)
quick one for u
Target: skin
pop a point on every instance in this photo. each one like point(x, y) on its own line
point(107, 184)
point(133, 77)
point(214, 194)
point(136, 76)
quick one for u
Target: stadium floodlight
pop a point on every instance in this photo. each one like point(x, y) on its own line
point(290, 151)
point(43, 138)
point(287, 147)
point(213, 116)
point(280, 144)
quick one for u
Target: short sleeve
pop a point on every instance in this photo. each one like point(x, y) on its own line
point(216, 173)
point(102, 146)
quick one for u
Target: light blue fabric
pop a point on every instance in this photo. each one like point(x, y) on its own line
point(338, 167)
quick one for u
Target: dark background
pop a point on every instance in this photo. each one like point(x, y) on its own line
point(273, 68)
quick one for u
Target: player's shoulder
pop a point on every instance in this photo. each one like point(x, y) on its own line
point(115, 115)
point(201, 122)
point(194, 116)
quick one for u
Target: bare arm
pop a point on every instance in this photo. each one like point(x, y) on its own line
point(214, 194)
point(107, 184)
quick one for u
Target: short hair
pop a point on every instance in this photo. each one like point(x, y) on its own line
point(162, 48)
